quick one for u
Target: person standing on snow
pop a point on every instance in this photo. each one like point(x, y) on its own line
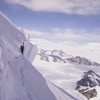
point(22, 48)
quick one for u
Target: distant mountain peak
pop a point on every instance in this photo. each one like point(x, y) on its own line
point(60, 56)
point(82, 61)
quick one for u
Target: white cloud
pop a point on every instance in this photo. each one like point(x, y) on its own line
point(78, 35)
point(61, 35)
point(82, 7)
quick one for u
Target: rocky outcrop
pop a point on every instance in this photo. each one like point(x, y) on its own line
point(87, 84)
point(90, 94)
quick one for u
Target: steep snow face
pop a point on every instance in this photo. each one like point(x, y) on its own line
point(10, 36)
point(9, 31)
point(30, 51)
point(19, 80)
point(13, 38)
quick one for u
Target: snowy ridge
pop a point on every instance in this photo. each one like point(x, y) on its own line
point(19, 80)
point(7, 19)
point(60, 56)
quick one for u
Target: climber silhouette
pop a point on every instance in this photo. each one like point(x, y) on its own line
point(22, 48)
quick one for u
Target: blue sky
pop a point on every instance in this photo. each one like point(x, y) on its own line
point(68, 18)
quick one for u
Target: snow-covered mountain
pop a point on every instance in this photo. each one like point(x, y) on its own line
point(71, 62)
point(19, 80)
point(89, 51)
point(62, 57)
point(53, 56)
point(82, 61)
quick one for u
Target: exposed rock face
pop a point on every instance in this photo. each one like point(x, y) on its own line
point(87, 84)
point(90, 94)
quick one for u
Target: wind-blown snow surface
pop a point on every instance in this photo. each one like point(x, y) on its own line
point(19, 80)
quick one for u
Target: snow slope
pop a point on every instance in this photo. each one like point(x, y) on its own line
point(19, 80)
